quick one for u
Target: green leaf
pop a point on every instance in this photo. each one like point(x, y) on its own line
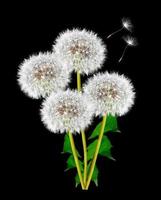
point(108, 155)
point(77, 180)
point(104, 148)
point(111, 125)
point(67, 146)
point(71, 163)
point(95, 174)
point(91, 149)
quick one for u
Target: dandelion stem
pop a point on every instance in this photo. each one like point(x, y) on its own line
point(78, 81)
point(123, 53)
point(83, 134)
point(96, 152)
point(76, 159)
point(114, 32)
point(85, 156)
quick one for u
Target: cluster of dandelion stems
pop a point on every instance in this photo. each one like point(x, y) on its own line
point(86, 178)
point(43, 75)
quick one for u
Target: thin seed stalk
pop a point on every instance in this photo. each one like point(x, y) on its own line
point(96, 152)
point(83, 134)
point(76, 159)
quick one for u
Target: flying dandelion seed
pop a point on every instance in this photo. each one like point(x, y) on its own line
point(130, 41)
point(126, 24)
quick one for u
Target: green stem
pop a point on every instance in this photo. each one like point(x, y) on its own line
point(83, 134)
point(96, 152)
point(76, 159)
point(85, 156)
point(78, 81)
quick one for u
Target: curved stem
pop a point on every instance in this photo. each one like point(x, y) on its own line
point(96, 152)
point(115, 32)
point(83, 134)
point(85, 156)
point(123, 53)
point(76, 159)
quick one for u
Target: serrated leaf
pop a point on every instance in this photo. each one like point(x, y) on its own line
point(91, 149)
point(77, 180)
point(108, 155)
point(71, 163)
point(111, 125)
point(105, 147)
point(118, 131)
point(95, 175)
point(67, 146)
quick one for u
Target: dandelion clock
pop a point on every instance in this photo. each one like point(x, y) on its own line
point(67, 111)
point(42, 74)
point(80, 50)
point(112, 93)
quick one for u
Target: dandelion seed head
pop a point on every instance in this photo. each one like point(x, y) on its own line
point(80, 50)
point(131, 41)
point(67, 110)
point(41, 74)
point(111, 93)
point(126, 23)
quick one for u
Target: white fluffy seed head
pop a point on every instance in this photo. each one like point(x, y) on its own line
point(41, 74)
point(131, 41)
point(80, 50)
point(67, 111)
point(111, 93)
point(126, 23)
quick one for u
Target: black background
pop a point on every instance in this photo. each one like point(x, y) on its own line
point(34, 163)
